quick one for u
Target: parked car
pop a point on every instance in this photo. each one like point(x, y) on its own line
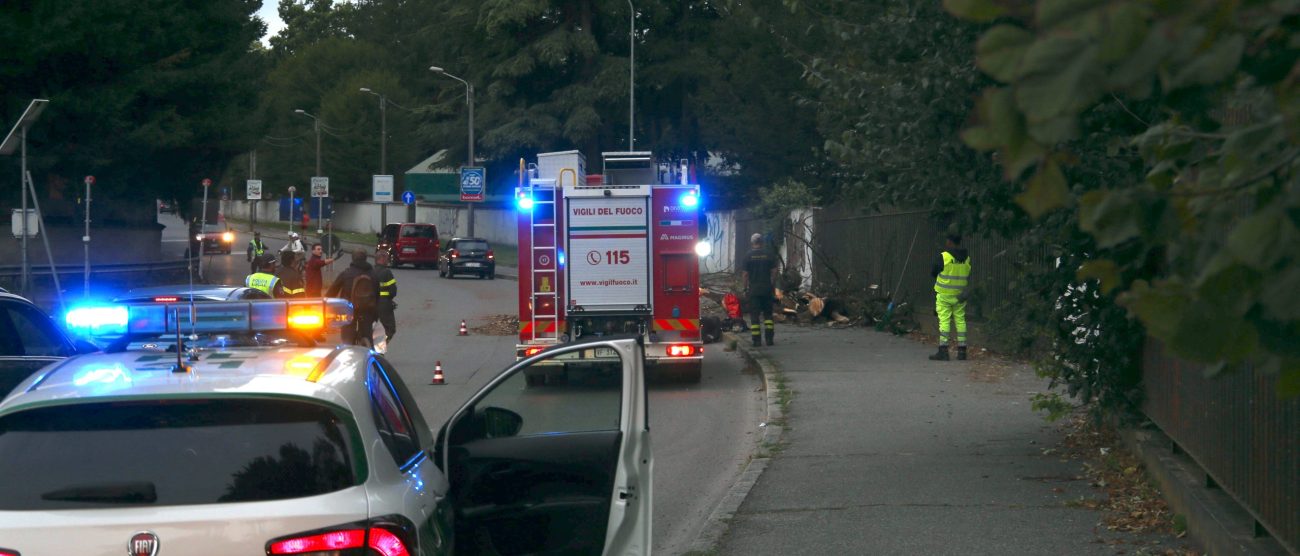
point(216, 238)
point(410, 243)
point(468, 255)
point(166, 206)
point(29, 340)
point(248, 437)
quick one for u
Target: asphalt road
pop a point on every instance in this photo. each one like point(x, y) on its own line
point(702, 434)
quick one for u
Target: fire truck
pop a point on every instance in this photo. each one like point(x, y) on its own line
point(609, 254)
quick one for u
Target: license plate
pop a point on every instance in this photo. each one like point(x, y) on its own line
point(605, 353)
point(408, 249)
point(472, 265)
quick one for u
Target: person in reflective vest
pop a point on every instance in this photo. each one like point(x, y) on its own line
point(951, 271)
point(291, 284)
point(387, 284)
point(263, 279)
point(255, 251)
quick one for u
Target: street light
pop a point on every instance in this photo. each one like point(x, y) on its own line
point(469, 99)
point(383, 148)
point(319, 211)
point(631, 75)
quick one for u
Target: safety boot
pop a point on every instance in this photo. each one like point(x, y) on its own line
point(758, 340)
point(770, 336)
point(941, 355)
point(961, 353)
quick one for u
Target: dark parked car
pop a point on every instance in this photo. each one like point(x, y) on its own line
point(410, 243)
point(468, 255)
point(166, 206)
point(29, 340)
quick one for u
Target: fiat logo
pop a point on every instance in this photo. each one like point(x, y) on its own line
point(143, 543)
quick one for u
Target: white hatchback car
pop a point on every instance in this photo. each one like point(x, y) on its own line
point(237, 434)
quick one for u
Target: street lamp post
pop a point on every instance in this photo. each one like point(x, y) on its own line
point(383, 149)
point(631, 75)
point(85, 242)
point(469, 99)
point(203, 223)
point(320, 213)
point(291, 218)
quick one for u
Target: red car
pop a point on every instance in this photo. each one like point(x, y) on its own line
point(410, 243)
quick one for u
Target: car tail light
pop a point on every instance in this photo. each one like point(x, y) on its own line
point(682, 350)
point(8, 552)
point(454, 254)
point(166, 299)
point(490, 255)
point(384, 539)
point(529, 352)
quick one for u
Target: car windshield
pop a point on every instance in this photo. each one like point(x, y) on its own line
point(417, 231)
point(473, 245)
point(214, 228)
point(175, 452)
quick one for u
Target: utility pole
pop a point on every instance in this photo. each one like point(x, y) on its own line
point(203, 223)
point(16, 137)
point(631, 76)
point(252, 175)
point(383, 148)
point(469, 99)
point(85, 240)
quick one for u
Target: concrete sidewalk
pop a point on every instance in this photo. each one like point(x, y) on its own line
point(886, 452)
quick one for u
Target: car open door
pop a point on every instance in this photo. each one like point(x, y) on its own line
point(562, 469)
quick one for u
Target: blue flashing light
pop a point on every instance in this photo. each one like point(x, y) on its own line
point(560, 257)
point(101, 320)
point(691, 200)
point(524, 203)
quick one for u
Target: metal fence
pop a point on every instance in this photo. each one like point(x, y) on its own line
point(1237, 430)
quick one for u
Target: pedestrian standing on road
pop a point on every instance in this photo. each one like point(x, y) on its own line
point(263, 278)
point(291, 284)
point(316, 282)
point(294, 245)
point(357, 284)
point(759, 280)
point(387, 295)
point(306, 220)
point(255, 250)
point(951, 272)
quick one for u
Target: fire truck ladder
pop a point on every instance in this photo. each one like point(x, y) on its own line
point(544, 301)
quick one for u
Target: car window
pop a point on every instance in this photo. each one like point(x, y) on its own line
point(423, 436)
point(418, 231)
point(391, 419)
point(30, 333)
point(588, 399)
point(175, 452)
point(472, 245)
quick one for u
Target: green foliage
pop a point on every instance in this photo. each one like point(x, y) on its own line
point(1201, 245)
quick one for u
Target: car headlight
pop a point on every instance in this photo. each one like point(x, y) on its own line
point(228, 237)
point(198, 237)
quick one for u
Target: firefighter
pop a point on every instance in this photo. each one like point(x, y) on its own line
point(291, 284)
point(387, 284)
point(255, 250)
point(759, 278)
point(263, 278)
point(357, 284)
point(951, 272)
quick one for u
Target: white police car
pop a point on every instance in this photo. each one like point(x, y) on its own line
point(232, 432)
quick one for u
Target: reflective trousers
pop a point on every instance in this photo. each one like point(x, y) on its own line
point(949, 308)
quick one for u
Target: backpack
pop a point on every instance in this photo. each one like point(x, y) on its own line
point(363, 293)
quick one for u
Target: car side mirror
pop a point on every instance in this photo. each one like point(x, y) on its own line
point(501, 423)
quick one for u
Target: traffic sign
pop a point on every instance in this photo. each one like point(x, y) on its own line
point(206, 182)
point(408, 198)
point(473, 180)
point(382, 189)
point(90, 180)
point(254, 190)
point(320, 187)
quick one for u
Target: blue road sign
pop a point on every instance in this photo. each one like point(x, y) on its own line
point(473, 180)
point(408, 197)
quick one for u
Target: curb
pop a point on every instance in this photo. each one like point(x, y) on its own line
point(1214, 519)
point(716, 526)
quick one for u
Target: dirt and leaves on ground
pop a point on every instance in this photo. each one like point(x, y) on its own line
point(497, 325)
point(1130, 502)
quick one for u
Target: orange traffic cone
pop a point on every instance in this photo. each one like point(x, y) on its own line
point(463, 331)
point(438, 378)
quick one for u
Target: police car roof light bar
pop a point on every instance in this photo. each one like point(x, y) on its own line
point(211, 317)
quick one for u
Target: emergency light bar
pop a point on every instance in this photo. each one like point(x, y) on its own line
point(209, 317)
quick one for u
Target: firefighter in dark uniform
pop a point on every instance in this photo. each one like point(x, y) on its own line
point(291, 284)
point(759, 277)
point(262, 278)
point(387, 284)
point(255, 250)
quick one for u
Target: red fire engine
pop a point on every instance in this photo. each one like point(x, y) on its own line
point(609, 254)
